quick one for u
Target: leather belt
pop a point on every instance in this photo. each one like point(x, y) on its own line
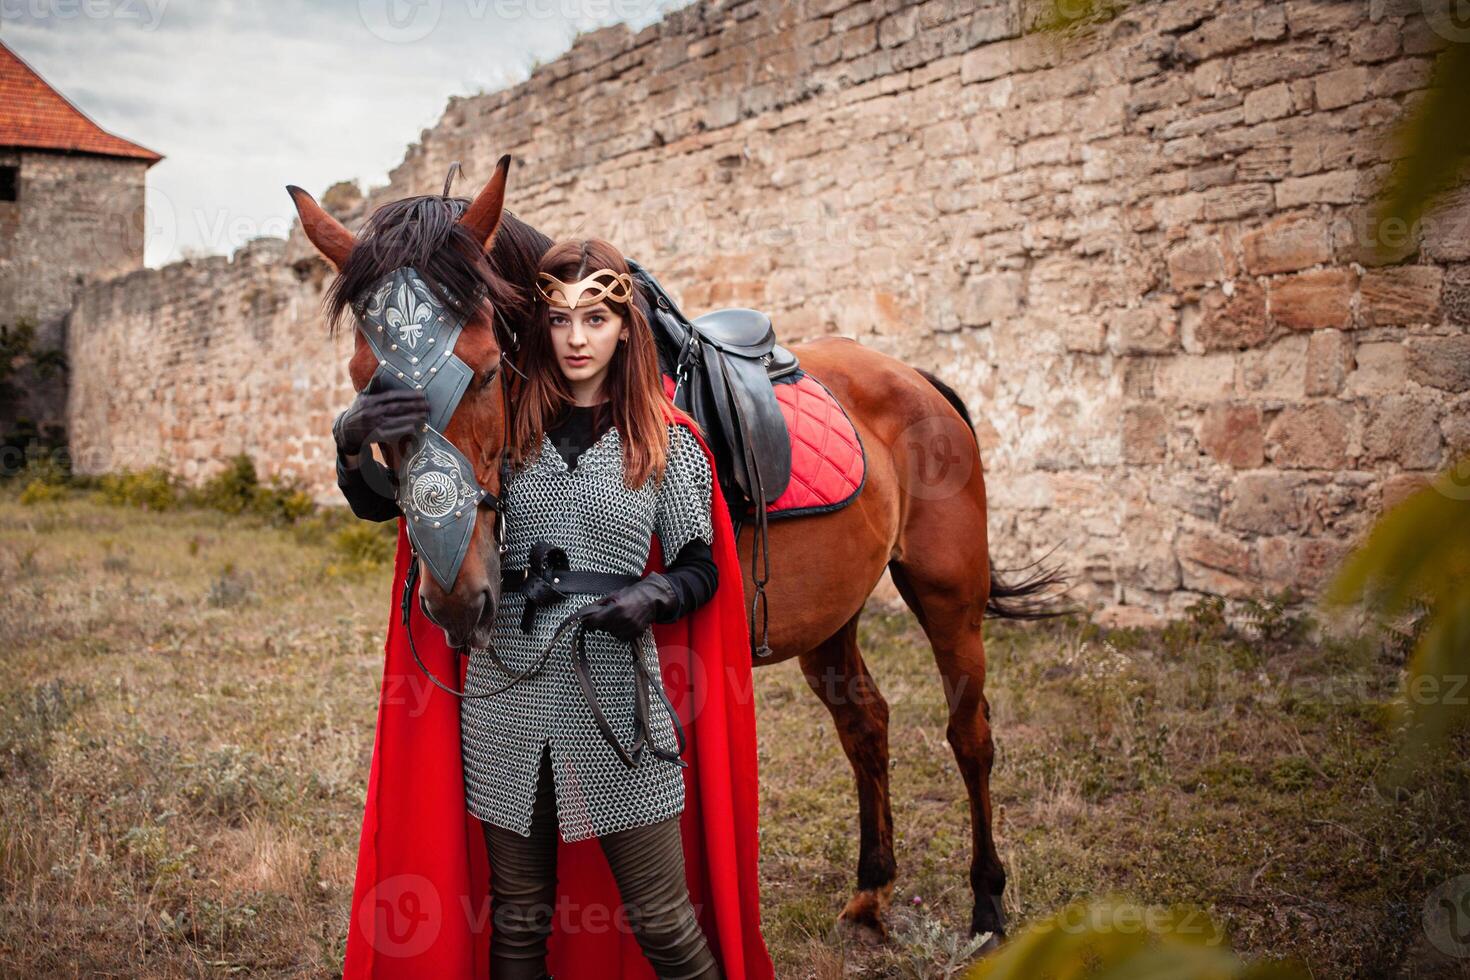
point(549, 580)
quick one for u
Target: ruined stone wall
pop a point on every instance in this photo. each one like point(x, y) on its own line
point(1145, 259)
point(76, 218)
point(188, 365)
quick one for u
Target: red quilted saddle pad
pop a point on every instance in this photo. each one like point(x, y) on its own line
point(828, 466)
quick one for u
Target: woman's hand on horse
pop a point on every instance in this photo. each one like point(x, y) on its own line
point(628, 611)
point(381, 416)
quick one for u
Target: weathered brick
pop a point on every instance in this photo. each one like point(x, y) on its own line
point(1222, 34)
point(1338, 187)
point(1196, 380)
point(1402, 295)
point(1238, 201)
point(1382, 368)
point(991, 297)
point(1310, 437)
point(1196, 264)
point(1313, 300)
point(1456, 297)
point(1446, 228)
point(1329, 357)
point(1233, 435)
point(1210, 561)
point(1286, 245)
point(1145, 432)
point(1405, 430)
point(1441, 362)
point(1271, 102)
point(1374, 42)
point(1149, 329)
point(1342, 87)
point(1263, 503)
point(985, 63)
point(1277, 371)
point(1234, 321)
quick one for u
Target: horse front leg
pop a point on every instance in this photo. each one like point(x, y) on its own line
point(836, 672)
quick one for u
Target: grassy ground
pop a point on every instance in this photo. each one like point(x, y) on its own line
point(186, 713)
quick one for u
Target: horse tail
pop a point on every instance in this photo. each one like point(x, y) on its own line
point(1032, 596)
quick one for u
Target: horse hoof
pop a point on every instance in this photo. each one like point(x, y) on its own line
point(862, 919)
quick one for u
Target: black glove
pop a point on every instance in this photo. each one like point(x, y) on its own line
point(628, 611)
point(381, 416)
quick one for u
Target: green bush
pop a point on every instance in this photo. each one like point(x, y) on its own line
point(233, 491)
point(363, 546)
point(154, 488)
point(238, 490)
point(39, 492)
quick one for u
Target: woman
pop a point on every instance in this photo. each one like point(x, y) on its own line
point(603, 461)
point(588, 488)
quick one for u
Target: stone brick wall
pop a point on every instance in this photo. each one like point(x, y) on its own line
point(1145, 258)
point(76, 218)
point(188, 365)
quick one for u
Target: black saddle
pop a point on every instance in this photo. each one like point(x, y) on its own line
point(725, 365)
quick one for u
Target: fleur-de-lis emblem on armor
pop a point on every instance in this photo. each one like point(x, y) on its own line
point(408, 315)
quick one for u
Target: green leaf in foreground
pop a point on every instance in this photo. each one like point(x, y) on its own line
point(1419, 554)
point(1114, 940)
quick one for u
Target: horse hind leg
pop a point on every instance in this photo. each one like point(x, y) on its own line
point(950, 611)
point(835, 671)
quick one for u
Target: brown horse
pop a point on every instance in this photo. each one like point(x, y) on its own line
point(921, 515)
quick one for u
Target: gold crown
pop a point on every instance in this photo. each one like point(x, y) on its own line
point(602, 283)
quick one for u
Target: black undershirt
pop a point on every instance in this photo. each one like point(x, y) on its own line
point(693, 573)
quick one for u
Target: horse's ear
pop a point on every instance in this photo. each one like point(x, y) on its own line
point(329, 236)
point(483, 217)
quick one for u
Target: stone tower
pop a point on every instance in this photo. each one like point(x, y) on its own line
point(71, 211)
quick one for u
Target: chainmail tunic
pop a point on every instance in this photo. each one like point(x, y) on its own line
point(605, 527)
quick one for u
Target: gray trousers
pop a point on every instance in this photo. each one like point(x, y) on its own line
point(648, 863)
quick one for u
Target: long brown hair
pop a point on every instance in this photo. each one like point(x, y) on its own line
point(640, 408)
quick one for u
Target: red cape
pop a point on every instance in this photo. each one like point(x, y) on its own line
point(420, 905)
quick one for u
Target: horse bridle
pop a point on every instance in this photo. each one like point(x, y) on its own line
point(413, 334)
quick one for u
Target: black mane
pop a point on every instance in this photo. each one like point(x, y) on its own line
point(424, 232)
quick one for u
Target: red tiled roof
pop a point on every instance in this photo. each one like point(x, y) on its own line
point(33, 114)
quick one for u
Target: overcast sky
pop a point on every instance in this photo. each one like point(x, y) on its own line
point(245, 96)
